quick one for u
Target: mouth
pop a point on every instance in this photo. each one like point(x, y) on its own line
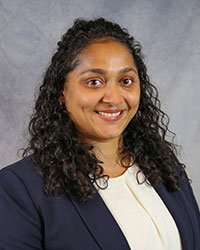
point(110, 115)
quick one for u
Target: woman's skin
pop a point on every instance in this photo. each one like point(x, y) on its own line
point(104, 80)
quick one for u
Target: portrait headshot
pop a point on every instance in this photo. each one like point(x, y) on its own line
point(100, 118)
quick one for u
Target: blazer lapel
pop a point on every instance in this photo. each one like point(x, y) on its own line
point(101, 224)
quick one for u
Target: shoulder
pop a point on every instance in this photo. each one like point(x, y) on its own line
point(21, 182)
point(184, 181)
point(23, 172)
point(24, 166)
point(186, 190)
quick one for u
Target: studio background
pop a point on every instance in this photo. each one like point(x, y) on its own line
point(169, 31)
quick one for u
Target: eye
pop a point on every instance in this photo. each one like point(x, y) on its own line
point(94, 83)
point(127, 81)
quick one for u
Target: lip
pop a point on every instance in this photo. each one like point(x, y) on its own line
point(111, 118)
point(110, 111)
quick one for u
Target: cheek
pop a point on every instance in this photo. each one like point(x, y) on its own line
point(78, 100)
point(133, 100)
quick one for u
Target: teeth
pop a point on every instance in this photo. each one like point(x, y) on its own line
point(110, 114)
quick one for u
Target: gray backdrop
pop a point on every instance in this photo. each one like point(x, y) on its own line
point(168, 30)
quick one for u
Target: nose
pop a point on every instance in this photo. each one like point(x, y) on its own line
point(113, 95)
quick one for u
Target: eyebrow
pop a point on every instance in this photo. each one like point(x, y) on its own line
point(104, 72)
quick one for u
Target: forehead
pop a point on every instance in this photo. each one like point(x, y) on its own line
point(105, 52)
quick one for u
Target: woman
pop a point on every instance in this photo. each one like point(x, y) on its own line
point(101, 174)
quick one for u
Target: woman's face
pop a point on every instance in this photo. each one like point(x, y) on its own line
point(102, 93)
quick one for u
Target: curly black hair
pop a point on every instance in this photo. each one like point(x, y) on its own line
point(68, 164)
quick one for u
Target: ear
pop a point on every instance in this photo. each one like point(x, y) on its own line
point(61, 99)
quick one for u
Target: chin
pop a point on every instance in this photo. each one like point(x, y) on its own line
point(110, 136)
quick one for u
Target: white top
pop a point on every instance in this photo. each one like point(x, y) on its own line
point(140, 213)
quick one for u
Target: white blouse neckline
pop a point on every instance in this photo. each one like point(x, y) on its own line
point(140, 212)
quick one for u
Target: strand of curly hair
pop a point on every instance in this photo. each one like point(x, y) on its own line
point(68, 164)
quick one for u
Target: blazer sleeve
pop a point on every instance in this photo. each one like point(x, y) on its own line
point(20, 221)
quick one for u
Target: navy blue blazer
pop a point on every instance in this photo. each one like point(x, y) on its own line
point(32, 220)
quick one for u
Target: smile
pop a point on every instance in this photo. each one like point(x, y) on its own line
point(109, 114)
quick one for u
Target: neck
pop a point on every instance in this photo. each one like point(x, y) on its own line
point(107, 150)
point(108, 153)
